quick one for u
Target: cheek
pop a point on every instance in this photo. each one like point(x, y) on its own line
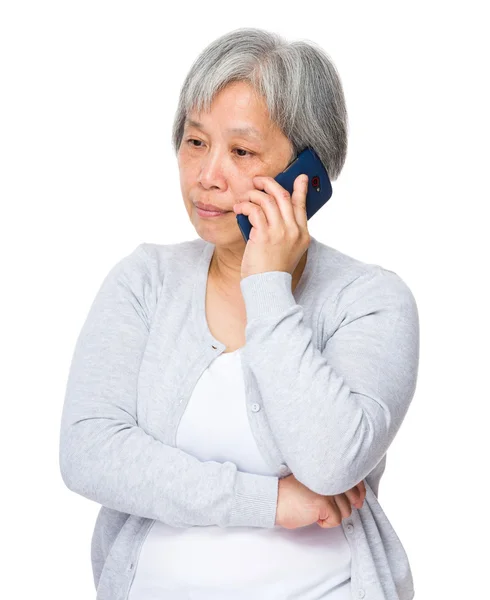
point(183, 156)
point(242, 184)
point(186, 172)
point(188, 167)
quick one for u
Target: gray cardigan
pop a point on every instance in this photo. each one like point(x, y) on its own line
point(333, 366)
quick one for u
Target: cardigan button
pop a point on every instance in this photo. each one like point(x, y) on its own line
point(255, 407)
point(350, 527)
point(361, 593)
point(283, 468)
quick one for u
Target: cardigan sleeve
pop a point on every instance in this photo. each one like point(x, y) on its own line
point(333, 410)
point(106, 457)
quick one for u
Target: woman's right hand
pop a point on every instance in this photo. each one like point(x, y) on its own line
point(298, 506)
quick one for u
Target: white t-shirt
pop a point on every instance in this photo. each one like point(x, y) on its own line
point(214, 563)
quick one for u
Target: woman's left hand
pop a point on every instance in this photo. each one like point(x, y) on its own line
point(354, 497)
point(279, 236)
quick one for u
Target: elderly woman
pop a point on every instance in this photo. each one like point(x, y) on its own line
point(230, 404)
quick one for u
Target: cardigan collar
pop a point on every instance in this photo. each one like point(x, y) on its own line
point(201, 278)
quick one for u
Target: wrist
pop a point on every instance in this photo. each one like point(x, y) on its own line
point(280, 494)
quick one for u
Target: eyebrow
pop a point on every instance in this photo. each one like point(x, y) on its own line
point(250, 131)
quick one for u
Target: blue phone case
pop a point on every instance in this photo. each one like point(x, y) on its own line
point(319, 186)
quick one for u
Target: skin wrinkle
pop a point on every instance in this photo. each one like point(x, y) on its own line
point(213, 173)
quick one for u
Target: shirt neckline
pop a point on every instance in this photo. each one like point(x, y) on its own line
point(200, 288)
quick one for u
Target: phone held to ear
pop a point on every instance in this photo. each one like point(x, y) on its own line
point(319, 186)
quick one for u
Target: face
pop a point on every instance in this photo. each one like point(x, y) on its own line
point(217, 164)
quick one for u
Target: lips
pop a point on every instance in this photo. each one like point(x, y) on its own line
point(210, 207)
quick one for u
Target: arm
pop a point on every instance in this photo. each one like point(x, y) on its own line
point(106, 457)
point(333, 412)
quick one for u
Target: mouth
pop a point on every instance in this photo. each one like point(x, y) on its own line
point(209, 210)
point(210, 213)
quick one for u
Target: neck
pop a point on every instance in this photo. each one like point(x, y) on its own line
point(225, 268)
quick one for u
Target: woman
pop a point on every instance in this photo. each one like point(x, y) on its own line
point(230, 405)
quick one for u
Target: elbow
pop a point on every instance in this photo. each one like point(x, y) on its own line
point(333, 484)
point(77, 473)
point(330, 477)
point(70, 463)
point(66, 466)
point(66, 472)
point(339, 468)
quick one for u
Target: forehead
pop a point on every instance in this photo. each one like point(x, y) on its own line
point(242, 130)
point(238, 110)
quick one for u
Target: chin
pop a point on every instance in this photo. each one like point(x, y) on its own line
point(219, 236)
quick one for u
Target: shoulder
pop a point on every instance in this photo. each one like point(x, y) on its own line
point(161, 257)
point(141, 274)
point(151, 261)
point(358, 287)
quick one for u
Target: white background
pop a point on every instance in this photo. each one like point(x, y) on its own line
point(88, 94)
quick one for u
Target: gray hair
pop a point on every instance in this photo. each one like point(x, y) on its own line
point(298, 81)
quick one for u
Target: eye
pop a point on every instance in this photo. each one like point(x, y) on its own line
point(242, 150)
point(190, 140)
point(193, 140)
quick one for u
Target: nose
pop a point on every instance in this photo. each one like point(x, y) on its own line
point(211, 175)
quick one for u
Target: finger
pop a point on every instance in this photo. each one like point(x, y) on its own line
point(354, 497)
point(282, 197)
point(360, 492)
point(269, 207)
point(298, 200)
point(344, 505)
point(256, 217)
point(330, 514)
point(361, 486)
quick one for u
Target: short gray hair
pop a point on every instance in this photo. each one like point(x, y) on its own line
point(298, 81)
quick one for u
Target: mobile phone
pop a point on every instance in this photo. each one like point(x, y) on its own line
point(319, 186)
